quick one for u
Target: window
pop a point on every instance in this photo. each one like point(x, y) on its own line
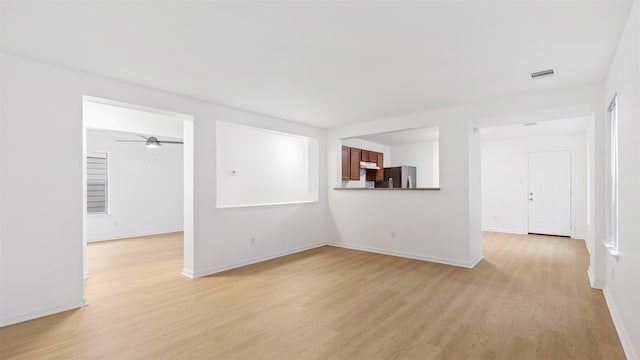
point(612, 179)
point(97, 181)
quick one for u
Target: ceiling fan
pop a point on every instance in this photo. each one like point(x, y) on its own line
point(152, 142)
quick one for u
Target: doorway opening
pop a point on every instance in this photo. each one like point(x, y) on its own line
point(534, 178)
point(137, 177)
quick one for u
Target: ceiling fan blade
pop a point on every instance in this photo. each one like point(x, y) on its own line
point(170, 142)
point(144, 137)
point(138, 141)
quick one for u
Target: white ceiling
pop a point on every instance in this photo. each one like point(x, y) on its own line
point(325, 63)
point(542, 128)
point(121, 117)
point(123, 135)
point(412, 136)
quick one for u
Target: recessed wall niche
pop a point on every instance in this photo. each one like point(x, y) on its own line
point(260, 167)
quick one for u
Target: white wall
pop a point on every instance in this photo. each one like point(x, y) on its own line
point(145, 189)
point(258, 167)
point(444, 225)
point(622, 287)
point(41, 266)
point(365, 145)
point(103, 114)
point(428, 225)
point(474, 192)
point(421, 155)
point(589, 237)
point(505, 174)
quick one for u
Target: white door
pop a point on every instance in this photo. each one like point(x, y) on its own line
point(550, 193)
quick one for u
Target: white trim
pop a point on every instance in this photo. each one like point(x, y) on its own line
point(519, 232)
point(130, 106)
point(586, 244)
point(97, 154)
point(86, 275)
point(134, 235)
point(506, 231)
point(475, 262)
point(188, 273)
point(612, 250)
point(617, 322)
point(594, 284)
point(267, 204)
point(250, 261)
point(42, 312)
point(612, 179)
point(452, 262)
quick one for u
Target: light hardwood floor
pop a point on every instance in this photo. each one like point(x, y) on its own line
point(529, 299)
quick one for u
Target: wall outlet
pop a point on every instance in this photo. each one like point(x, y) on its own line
point(393, 234)
point(253, 240)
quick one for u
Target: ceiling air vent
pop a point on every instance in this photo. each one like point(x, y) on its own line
point(541, 74)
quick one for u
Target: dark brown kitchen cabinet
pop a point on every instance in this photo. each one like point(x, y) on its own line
point(346, 164)
point(354, 166)
point(351, 158)
point(373, 174)
point(380, 171)
point(369, 156)
point(365, 155)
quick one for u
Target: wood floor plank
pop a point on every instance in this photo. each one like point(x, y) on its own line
point(529, 299)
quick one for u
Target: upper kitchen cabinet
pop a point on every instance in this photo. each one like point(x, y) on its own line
point(376, 174)
point(354, 163)
point(369, 156)
point(353, 160)
point(376, 155)
point(380, 163)
point(346, 164)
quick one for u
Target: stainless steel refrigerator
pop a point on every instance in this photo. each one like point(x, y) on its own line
point(399, 176)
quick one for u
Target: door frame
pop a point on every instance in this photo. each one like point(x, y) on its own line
point(571, 207)
point(187, 171)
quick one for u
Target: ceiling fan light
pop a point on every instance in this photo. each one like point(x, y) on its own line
point(152, 145)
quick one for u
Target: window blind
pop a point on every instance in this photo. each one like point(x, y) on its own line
point(97, 183)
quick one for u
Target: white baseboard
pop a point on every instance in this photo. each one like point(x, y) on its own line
point(188, 273)
point(41, 312)
point(519, 232)
point(216, 269)
point(453, 262)
point(476, 261)
point(86, 275)
point(132, 235)
point(586, 244)
point(592, 280)
point(506, 231)
point(617, 322)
